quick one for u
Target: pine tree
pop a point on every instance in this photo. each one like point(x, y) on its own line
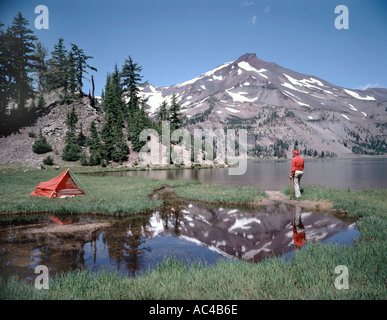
point(92, 98)
point(108, 136)
point(41, 145)
point(131, 80)
point(41, 101)
point(5, 80)
point(163, 114)
point(81, 139)
point(139, 123)
point(40, 66)
point(71, 150)
point(22, 45)
point(120, 148)
point(114, 143)
point(71, 72)
point(83, 159)
point(58, 64)
point(95, 146)
point(115, 147)
point(137, 119)
point(112, 100)
point(81, 65)
point(72, 119)
point(174, 114)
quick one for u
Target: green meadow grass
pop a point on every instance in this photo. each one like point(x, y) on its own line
point(221, 194)
point(310, 275)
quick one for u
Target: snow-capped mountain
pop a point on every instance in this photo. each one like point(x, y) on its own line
point(273, 103)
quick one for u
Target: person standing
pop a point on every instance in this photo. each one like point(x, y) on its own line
point(297, 172)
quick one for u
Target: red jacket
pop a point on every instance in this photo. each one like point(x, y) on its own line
point(299, 238)
point(297, 164)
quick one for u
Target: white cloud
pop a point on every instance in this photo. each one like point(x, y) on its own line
point(267, 9)
point(368, 85)
point(247, 4)
point(253, 20)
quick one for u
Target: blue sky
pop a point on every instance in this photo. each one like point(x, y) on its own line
point(177, 40)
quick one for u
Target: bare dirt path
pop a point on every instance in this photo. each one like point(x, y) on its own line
point(278, 196)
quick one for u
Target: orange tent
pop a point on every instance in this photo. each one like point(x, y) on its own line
point(62, 185)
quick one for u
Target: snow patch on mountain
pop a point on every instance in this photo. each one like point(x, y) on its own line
point(357, 96)
point(155, 98)
point(345, 117)
point(238, 97)
point(352, 107)
point(247, 67)
point(304, 82)
point(316, 81)
point(290, 86)
point(232, 110)
point(303, 104)
point(188, 82)
point(291, 94)
point(207, 74)
point(313, 95)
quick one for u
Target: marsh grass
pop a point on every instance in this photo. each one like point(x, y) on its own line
point(221, 193)
point(308, 275)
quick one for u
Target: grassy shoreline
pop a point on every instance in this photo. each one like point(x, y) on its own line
point(108, 195)
point(310, 274)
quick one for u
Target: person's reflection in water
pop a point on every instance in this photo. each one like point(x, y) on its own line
point(299, 236)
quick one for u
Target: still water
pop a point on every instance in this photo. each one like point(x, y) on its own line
point(273, 175)
point(190, 231)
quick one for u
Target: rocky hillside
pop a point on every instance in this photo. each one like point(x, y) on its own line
point(279, 106)
point(16, 149)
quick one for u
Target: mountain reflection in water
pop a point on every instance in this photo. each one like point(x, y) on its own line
point(134, 244)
